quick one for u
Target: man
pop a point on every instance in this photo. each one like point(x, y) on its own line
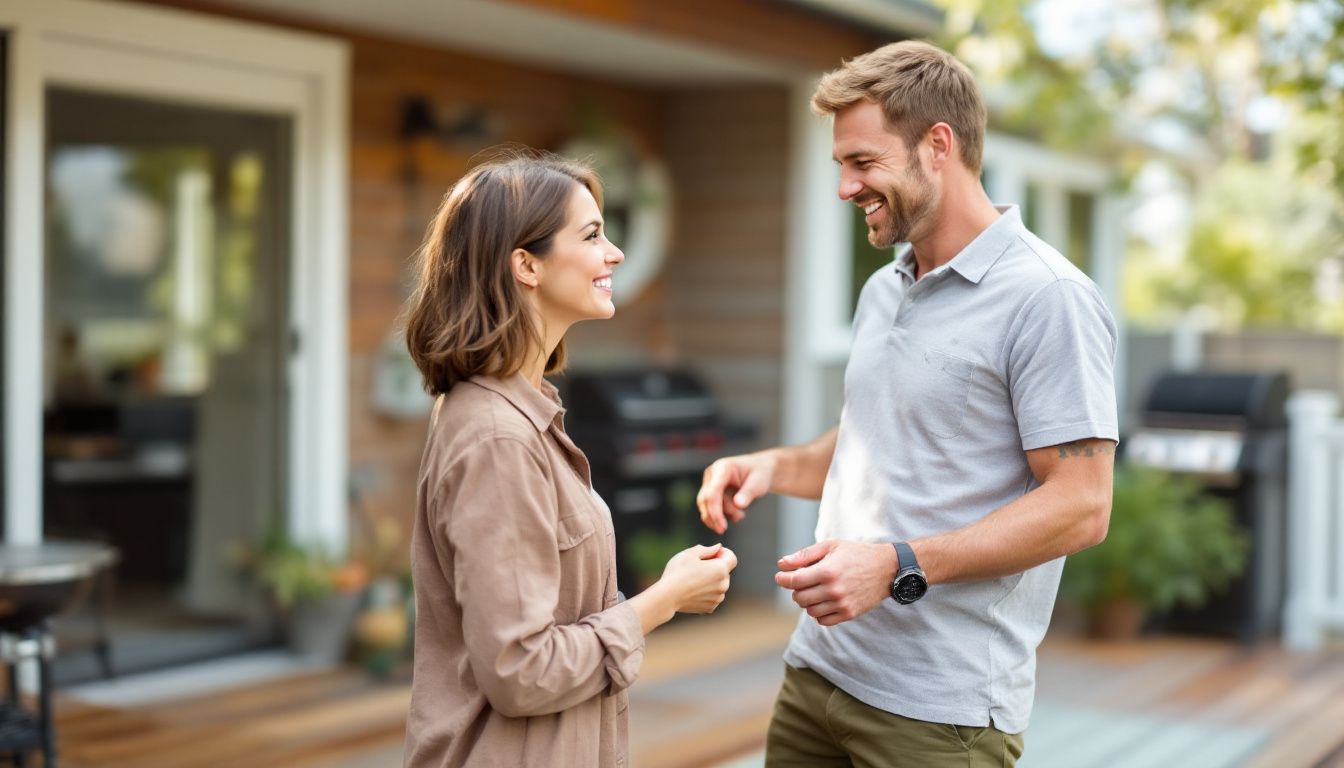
point(974, 449)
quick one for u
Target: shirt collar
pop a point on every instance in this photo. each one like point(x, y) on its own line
point(977, 257)
point(905, 261)
point(540, 406)
point(980, 254)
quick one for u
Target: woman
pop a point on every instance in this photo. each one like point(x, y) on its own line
point(523, 647)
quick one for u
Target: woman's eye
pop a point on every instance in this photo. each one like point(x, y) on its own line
point(595, 235)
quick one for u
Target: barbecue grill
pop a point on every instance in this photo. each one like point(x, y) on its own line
point(36, 583)
point(648, 435)
point(1228, 431)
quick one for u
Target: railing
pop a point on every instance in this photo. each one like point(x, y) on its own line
point(1315, 599)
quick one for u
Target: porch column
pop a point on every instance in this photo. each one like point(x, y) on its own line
point(817, 274)
point(1310, 417)
point(24, 291)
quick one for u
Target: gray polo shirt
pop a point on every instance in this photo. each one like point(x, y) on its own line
point(1006, 348)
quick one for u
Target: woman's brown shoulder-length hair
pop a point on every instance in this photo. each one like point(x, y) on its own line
point(468, 316)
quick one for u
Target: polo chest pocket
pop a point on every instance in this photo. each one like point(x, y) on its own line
point(945, 393)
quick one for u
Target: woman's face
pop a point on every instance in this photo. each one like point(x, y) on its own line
point(574, 279)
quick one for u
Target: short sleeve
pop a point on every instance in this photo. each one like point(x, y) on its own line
point(1061, 366)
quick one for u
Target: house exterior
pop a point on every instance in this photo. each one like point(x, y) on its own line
point(364, 115)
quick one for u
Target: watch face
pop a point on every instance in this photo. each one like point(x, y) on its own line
point(910, 588)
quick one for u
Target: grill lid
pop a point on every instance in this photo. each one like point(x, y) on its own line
point(646, 397)
point(1247, 401)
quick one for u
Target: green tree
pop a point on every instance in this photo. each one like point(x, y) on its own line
point(1244, 97)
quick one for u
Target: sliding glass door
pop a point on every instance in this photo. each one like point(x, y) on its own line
point(165, 343)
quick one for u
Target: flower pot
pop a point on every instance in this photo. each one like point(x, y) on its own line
point(318, 629)
point(1116, 619)
point(382, 628)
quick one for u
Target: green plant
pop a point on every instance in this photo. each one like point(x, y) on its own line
point(291, 572)
point(648, 551)
point(1168, 543)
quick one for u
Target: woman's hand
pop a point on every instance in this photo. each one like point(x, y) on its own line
point(694, 581)
point(697, 577)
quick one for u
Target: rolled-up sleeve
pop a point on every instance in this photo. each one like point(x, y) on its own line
point(497, 509)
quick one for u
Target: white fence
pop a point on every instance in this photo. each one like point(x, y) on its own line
point(1315, 600)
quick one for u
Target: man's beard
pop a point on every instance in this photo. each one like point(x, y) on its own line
point(904, 213)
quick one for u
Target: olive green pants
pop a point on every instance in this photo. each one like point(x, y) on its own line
point(816, 724)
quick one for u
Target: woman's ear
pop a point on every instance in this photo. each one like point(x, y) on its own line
point(525, 267)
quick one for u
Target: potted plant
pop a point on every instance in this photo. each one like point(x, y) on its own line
point(383, 627)
point(315, 596)
point(1168, 543)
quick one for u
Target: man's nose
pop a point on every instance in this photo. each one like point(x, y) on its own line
point(849, 188)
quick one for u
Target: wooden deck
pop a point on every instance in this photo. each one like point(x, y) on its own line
point(708, 684)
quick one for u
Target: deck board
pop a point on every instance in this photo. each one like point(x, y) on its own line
point(708, 685)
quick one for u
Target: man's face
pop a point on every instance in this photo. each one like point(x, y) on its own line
point(879, 174)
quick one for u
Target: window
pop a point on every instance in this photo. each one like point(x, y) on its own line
point(864, 258)
point(1031, 207)
point(1078, 249)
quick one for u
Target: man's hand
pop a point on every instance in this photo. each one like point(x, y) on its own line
point(835, 581)
point(731, 484)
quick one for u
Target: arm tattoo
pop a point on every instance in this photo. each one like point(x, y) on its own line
point(1085, 448)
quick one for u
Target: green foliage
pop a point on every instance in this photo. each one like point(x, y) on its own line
point(648, 551)
point(1252, 257)
point(1220, 91)
point(291, 572)
point(1168, 543)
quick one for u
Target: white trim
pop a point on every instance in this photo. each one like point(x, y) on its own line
point(1107, 252)
point(1052, 221)
point(1018, 158)
point(1007, 182)
point(1316, 445)
point(540, 37)
point(816, 326)
point(903, 18)
point(23, 291)
point(196, 59)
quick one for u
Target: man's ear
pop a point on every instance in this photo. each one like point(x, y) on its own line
point(942, 143)
point(525, 267)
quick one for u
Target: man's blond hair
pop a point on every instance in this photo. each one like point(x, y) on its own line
point(917, 85)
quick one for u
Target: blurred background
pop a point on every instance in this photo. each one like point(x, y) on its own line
point(212, 430)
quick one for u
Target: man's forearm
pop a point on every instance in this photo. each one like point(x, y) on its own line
point(1054, 520)
point(801, 469)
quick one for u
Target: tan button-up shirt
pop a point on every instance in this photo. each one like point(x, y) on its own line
point(522, 650)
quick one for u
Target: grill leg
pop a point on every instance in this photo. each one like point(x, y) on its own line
point(102, 601)
point(44, 701)
point(15, 757)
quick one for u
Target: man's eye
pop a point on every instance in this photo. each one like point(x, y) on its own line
point(862, 165)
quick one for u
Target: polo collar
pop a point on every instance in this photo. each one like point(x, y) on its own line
point(976, 258)
point(540, 406)
point(905, 261)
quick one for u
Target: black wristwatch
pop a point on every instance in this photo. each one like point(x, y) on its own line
point(909, 584)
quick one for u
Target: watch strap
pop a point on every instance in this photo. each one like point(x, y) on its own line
point(905, 557)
